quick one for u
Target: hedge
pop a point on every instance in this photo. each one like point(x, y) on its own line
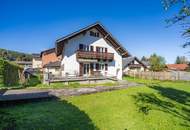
point(9, 73)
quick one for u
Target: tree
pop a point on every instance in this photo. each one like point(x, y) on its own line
point(177, 60)
point(181, 16)
point(145, 59)
point(181, 60)
point(157, 63)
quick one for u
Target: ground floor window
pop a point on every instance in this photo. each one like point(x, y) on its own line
point(101, 66)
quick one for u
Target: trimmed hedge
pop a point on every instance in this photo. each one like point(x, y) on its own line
point(9, 73)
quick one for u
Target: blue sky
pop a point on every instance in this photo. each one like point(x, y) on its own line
point(33, 25)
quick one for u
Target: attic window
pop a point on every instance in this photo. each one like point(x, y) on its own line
point(94, 34)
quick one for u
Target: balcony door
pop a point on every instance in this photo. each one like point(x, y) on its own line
point(86, 69)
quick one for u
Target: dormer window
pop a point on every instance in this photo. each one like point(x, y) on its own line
point(94, 34)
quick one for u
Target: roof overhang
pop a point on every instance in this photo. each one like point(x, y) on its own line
point(106, 34)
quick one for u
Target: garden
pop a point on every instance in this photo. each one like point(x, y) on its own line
point(152, 105)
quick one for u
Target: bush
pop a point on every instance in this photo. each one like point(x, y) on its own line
point(33, 81)
point(9, 73)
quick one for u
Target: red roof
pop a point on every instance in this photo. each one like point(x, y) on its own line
point(177, 66)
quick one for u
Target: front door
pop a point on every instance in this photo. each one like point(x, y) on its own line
point(86, 69)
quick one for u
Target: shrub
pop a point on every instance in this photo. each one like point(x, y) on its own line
point(9, 73)
point(33, 81)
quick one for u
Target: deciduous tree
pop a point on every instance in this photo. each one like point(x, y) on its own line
point(181, 16)
point(157, 63)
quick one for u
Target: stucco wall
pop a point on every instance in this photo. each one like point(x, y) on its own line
point(36, 63)
point(69, 61)
point(141, 69)
point(53, 71)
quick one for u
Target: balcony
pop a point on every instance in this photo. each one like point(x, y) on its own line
point(94, 55)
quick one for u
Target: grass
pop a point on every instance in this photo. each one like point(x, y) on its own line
point(157, 105)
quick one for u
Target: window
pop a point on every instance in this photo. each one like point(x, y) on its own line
point(91, 33)
point(100, 66)
point(80, 46)
point(106, 67)
point(91, 48)
point(83, 47)
point(101, 49)
point(97, 49)
point(106, 50)
point(94, 34)
point(97, 66)
point(97, 34)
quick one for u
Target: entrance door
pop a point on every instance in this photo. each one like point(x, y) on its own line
point(86, 69)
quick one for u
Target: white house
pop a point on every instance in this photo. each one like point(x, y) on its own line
point(36, 61)
point(91, 51)
point(133, 64)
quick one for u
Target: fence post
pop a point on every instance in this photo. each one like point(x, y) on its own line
point(178, 75)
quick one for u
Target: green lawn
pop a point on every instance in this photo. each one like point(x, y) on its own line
point(158, 105)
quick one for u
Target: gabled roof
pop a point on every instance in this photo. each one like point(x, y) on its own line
point(35, 55)
point(53, 64)
point(48, 51)
point(147, 63)
point(128, 60)
point(106, 34)
point(177, 66)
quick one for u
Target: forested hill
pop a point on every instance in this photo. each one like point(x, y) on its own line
point(14, 55)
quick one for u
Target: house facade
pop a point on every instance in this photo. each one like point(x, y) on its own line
point(36, 61)
point(91, 51)
point(48, 56)
point(51, 62)
point(133, 64)
point(24, 64)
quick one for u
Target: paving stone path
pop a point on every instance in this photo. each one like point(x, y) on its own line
point(26, 94)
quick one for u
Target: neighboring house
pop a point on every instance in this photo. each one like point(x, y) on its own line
point(147, 64)
point(88, 52)
point(36, 61)
point(177, 67)
point(133, 64)
point(53, 68)
point(50, 61)
point(48, 56)
point(25, 64)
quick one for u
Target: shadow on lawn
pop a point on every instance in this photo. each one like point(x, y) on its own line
point(179, 96)
point(147, 102)
point(45, 115)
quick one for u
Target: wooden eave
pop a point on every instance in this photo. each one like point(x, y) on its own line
point(107, 36)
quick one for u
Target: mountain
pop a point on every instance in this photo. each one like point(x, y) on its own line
point(15, 55)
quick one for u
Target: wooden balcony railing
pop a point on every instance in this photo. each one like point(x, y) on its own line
point(95, 55)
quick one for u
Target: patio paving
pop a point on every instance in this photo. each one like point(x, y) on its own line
point(25, 94)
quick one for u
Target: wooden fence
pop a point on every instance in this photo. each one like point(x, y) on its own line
point(171, 75)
